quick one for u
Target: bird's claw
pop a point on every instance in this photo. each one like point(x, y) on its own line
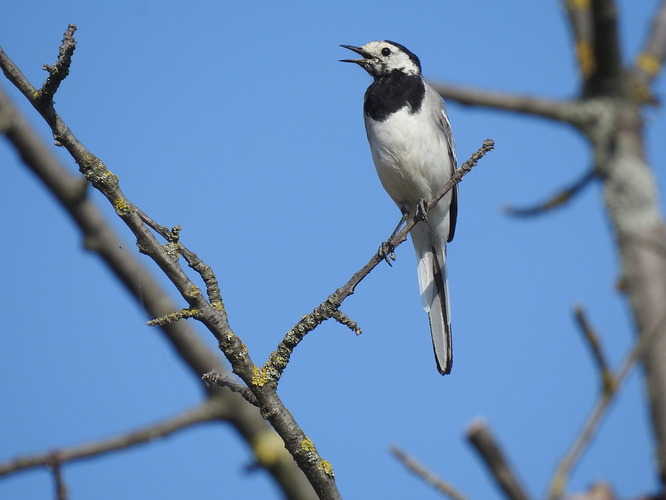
point(386, 252)
point(422, 211)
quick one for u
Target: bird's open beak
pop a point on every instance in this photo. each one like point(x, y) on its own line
point(366, 57)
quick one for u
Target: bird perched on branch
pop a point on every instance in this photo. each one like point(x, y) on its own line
point(414, 154)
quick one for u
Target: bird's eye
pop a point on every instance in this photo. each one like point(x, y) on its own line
point(386, 52)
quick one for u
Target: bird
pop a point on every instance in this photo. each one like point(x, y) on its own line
point(414, 154)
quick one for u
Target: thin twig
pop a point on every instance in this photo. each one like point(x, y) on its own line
point(59, 482)
point(650, 60)
point(580, 20)
point(429, 477)
point(278, 359)
point(172, 235)
point(345, 320)
point(318, 471)
point(566, 111)
point(566, 465)
point(481, 438)
point(214, 377)
point(592, 339)
point(209, 410)
point(608, 70)
point(558, 200)
point(59, 71)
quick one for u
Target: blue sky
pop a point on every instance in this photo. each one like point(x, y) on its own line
point(236, 121)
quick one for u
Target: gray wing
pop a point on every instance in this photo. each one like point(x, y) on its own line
point(442, 120)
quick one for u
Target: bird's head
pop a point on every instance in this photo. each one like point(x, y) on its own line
point(381, 58)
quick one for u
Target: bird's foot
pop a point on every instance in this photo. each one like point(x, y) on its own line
point(386, 252)
point(421, 211)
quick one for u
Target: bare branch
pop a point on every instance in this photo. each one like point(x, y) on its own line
point(60, 486)
point(480, 436)
point(592, 338)
point(559, 199)
point(421, 471)
point(173, 317)
point(598, 491)
point(59, 71)
point(608, 71)
point(650, 61)
point(278, 359)
point(566, 111)
point(343, 319)
point(209, 410)
point(172, 235)
point(101, 238)
point(224, 380)
point(645, 342)
point(580, 19)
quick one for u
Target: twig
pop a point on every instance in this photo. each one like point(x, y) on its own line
point(278, 359)
point(566, 465)
point(172, 235)
point(567, 111)
point(608, 70)
point(173, 317)
point(56, 471)
point(592, 338)
point(318, 471)
point(429, 477)
point(101, 238)
point(209, 410)
point(479, 435)
point(580, 19)
point(650, 61)
point(343, 319)
point(556, 201)
point(59, 71)
point(214, 377)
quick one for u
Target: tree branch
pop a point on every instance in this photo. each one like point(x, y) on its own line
point(580, 20)
point(645, 342)
point(223, 380)
point(607, 77)
point(565, 111)
point(421, 471)
point(210, 410)
point(480, 436)
point(59, 482)
point(59, 71)
point(559, 199)
point(592, 339)
point(100, 238)
point(277, 361)
point(650, 60)
point(318, 471)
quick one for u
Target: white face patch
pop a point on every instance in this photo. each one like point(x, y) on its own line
point(388, 57)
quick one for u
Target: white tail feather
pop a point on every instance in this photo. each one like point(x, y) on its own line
point(434, 287)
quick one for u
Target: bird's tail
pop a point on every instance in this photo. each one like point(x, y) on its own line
point(434, 287)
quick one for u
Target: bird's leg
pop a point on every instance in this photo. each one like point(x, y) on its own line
point(386, 248)
point(421, 211)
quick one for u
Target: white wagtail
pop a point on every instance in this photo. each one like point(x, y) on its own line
point(412, 147)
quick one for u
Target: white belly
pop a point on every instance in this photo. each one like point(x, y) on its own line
point(411, 156)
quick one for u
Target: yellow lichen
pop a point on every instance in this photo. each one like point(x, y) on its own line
point(579, 4)
point(648, 63)
point(121, 206)
point(585, 57)
point(217, 305)
point(259, 377)
point(326, 467)
point(193, 292)
point(307, 445)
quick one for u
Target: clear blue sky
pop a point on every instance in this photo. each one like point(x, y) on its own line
point(235, 120)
